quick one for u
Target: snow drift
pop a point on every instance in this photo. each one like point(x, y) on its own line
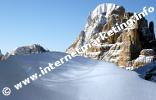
point(78, 79)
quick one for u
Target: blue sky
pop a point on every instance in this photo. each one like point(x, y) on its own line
point(52, 23)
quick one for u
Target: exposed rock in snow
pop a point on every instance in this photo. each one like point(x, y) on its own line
point(122, 48)
point(146, 56)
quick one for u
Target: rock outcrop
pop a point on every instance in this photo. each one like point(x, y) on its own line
point(146, 56)
point(123, 48)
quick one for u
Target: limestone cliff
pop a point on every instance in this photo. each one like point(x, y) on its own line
point(127, 48)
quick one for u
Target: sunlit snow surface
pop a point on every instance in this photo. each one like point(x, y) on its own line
point(106, 8)
point(79, 79)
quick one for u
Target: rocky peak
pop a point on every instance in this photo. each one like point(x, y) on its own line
point(103, 9)
point(100, 16)
point(31, 49)
point(122, 48)
point(26, 50)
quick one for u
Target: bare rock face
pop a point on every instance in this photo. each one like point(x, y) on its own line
point(78, 43)
point(122, 48)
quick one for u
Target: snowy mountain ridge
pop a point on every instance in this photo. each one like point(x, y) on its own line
point(98, 16)
point(105, 9)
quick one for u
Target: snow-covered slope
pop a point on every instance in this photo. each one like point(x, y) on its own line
point(78, 79)
point(148, 72)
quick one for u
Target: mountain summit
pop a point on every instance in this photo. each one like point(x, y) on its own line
point(129, 48)
point(30, 49)
point(25, 50)
point(99, 16)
